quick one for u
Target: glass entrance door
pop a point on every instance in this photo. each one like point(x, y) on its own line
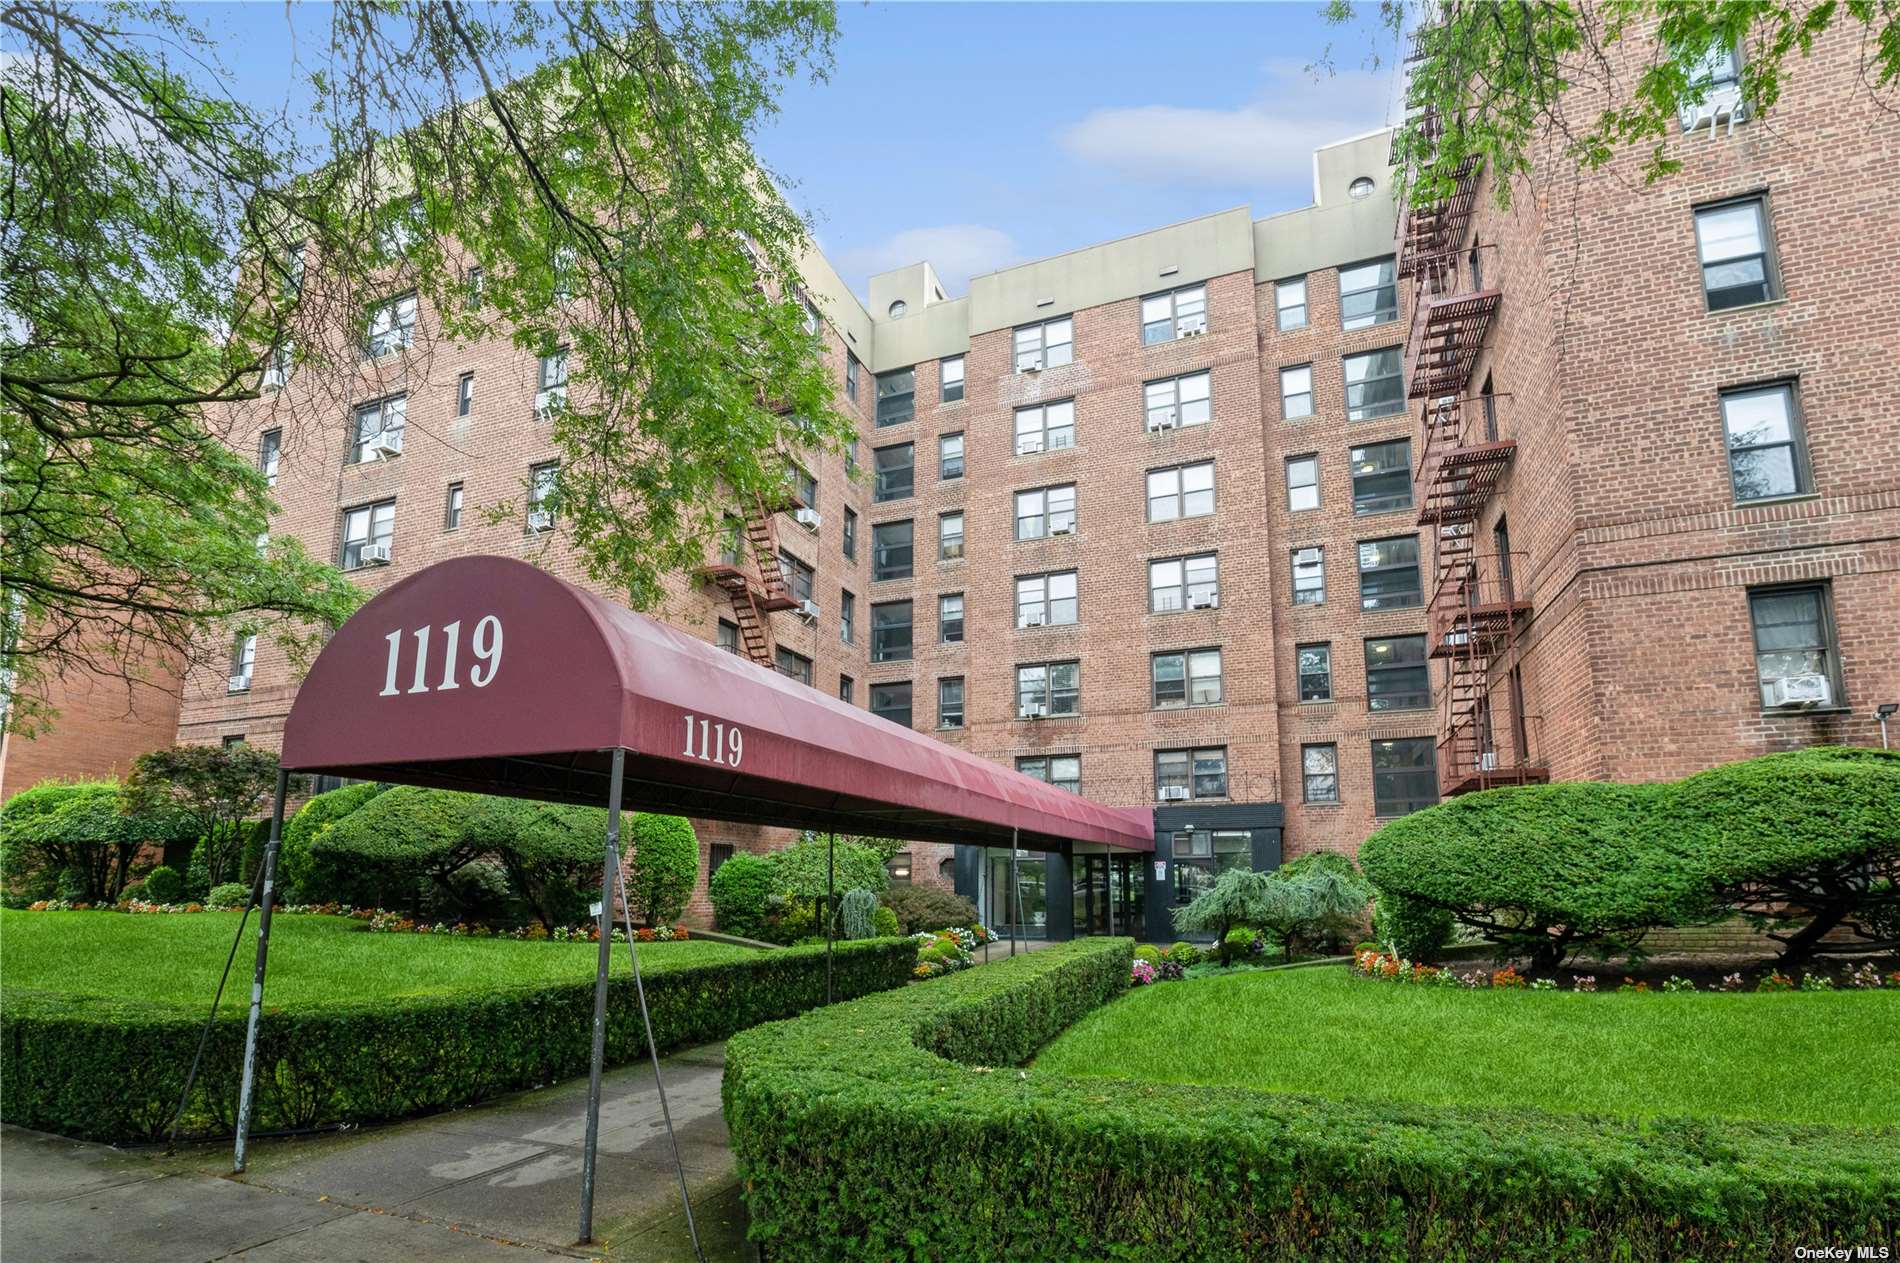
point(1028, 912)
point(1103, 878)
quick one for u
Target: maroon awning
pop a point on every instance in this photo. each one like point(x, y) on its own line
point(487, 674)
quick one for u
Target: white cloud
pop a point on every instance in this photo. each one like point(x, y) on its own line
point(957, 251)
point(1259, 142)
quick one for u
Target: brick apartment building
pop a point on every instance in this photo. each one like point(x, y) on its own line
point(1281, 526)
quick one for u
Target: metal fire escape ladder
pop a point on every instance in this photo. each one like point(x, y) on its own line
point(757, 591)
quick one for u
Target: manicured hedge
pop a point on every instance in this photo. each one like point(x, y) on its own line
point(107, 1070)
point(898, 1127)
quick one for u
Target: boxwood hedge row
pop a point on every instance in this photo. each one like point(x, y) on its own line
point(898, 1127)
point(109, 1070)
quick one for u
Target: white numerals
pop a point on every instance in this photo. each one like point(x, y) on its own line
point(484, 645)
point(712, 741)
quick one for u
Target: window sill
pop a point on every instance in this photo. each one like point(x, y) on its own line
point(1804, 712)
point(1303, 803)
point(1778, 301)
point(1771, 501)
point(1402, 510)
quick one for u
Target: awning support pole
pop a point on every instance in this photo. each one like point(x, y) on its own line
point(986, 901)
point(831, 859)
point(249, 1081)
point(1108, 886)
point(609, 874)
point(1015, 891)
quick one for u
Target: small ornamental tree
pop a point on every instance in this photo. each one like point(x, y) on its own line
point(800, 868)
point(297, 872)
point(1238, 897)
point(386, 851)
point(740, 889)
point(665, 863)
point(79, 833)
point(552, 853)
point(219, 789)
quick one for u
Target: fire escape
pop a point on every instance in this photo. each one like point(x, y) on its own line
point(1476, 615)
point(749, 572)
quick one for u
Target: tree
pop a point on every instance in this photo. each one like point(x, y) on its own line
point(1291, 903)
point(740, 889)
point(76, 835)
point(577, 178)
point(664, 865)
point(216, 789)
point(1497, 82)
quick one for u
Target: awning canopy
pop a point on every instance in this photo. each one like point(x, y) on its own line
point(487, 674)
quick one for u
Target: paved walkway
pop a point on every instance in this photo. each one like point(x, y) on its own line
point(498, 1183)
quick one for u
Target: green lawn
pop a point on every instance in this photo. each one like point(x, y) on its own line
point(1818, 1057)
point(176, 958)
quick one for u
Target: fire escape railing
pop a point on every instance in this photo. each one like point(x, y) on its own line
point(748, 570)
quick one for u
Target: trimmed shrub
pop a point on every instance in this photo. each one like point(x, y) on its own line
point(740, 890)
point(854, 913)
point(1236, 943)
point(296, 870)
point(77, 839)
point(551, 854)
point(383, 853)
point(1149, 953)
point(665, 864)
point(1185, 954)
point(107, 1070)
point(800, 868)
point(829, 1114)
point(162, 885)
point(884, 923)
point(928, 908)
point(1411, 930)
point(231, 894)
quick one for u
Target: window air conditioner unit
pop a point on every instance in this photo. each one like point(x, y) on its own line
point(547, 401)
point(1722, 105)
point(1801, 692)
point(1025, 446)
point(1066, 529)
point(1030, 366)
point(1306, 557)
point(808, 610)
point(374, 555)
point(1204, 601)
point(1032, 620)
point(807, 518)
point(239, 683)
point(1033, 710)
point(1165, 423)
point(1488, 761)
point(540, 520)
point(386, 444)
point(1173, 793)
point(1193, 326)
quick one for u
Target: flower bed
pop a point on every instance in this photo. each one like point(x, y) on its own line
point(382, 921)
point(1385, 967)
point(941, 952)
point(837, 1119)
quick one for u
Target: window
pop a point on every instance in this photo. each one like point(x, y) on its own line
point(1045, 511)
point(464, 394)
point(891, 631)
point(949, 456)
point(1397, 677)
point(1046, 599)
point(852, 371)
point(379, 429)
point(950, 379)
point(1717, 74)
point(1319, 773)
point(1064, 771)
point(795, 665)
point(846, 687)
point(270, 449)
point(1181, 314)
point(1296, 392)
point(802, 485)
point(950, 618)
point(1180, 583)
point(798, 575)
point(1202, 855)
point(1048, 688)
point(896, 396)
point(897, 309)
point(847, 616)
point(1313, 666)
point(233, 740)
point(1045, 427)
point(1289, 303)
point(400, 227)
point(812, 318)
point(1178, 401)
point(731, 535)
point(1201, 773)
point(1046, 345)
point(1732, 241)
point(1309, 576)
point(472, 289)
point(1794, 641)
point(950, 537)
point(895, 470)
point(897, 869)
point(1192, 678)
point(950, 702)
point(551, 393)
point(1360, 189)
point(1368, 295)
point(452, 513)
point(851, 458)
point(716, 854)
point(243, 658)
point(892, 702)
point(391, 326)
point(1404, 776)
point(726, 636)
point(1183, 491)
point(891, 550)
point(1373, 384)
point(293, 268)
point(542, 482)
point(1766, 455)
point(1388, 574)
point(1382, 477)
point(1302, 483)
point(850, 541)
point(372, 525)
point(283, 357)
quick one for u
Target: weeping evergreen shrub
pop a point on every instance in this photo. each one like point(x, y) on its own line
point(856, 911)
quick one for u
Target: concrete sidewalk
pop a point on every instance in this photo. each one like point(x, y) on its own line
point(492, 1183)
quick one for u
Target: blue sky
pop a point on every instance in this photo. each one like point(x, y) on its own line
point(981, 134)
